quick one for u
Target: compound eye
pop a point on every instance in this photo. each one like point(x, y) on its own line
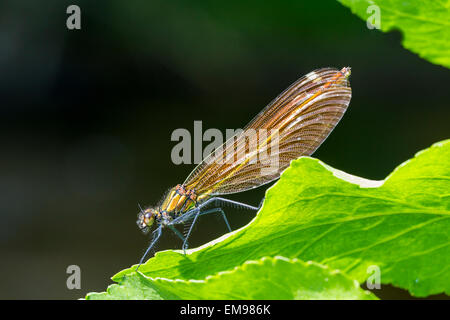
point(148, 215)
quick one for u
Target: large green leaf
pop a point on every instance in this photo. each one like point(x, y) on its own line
point(425, 24)
point(267, 278)
point(318, 213)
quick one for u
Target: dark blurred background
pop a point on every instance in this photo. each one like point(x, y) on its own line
point(86, 117)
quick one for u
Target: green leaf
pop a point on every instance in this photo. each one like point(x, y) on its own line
point(318, 213)
point(267, 278)
point(425, 24)
point(132, 287)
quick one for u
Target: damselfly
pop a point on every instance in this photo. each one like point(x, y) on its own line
point(294, 124)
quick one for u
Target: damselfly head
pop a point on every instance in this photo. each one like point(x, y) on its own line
point(146, 218)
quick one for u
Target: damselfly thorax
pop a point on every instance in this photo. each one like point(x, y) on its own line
point(178, 201)
point(299, 120)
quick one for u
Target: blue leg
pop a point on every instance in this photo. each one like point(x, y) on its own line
point(223, 215)
point(156, 235)
point(196, 212)
point(185, 243)
point(178, 233)
point(224, 201)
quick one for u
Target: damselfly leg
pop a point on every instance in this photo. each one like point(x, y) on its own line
point(194, 214)
point(156, 235)
point(201, 210)
point(178, 233)
point(220, 210)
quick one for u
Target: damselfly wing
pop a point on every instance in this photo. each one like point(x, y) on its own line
point(294, 124)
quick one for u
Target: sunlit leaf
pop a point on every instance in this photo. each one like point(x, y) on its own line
point(425, 25)
point(267, 278)
point(400, 225)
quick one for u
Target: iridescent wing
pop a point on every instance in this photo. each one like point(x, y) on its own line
point(294, 124)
